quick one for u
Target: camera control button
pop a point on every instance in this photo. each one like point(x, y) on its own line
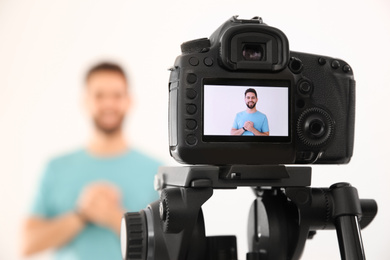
point(335, 64)
point(208, 61)
point(194, 61)
point(191, 139)
point(191, 94)
point(191, 109)
point(191, 124)
point(346, 68)
point(295, 65)
point(191, 78)
point(321, 61)
point(304, 87)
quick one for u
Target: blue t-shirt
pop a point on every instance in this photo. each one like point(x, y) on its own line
point(260, 121)
point(66, 176)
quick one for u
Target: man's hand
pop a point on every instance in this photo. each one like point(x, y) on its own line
point(249, 126)
point(100, 203)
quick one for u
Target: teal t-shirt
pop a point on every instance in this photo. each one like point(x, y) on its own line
point(260, 121)
point(66, 176)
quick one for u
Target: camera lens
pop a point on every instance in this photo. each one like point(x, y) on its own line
point(252, 52)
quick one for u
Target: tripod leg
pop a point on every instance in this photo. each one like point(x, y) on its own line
point(347, 208)
point(349, 237)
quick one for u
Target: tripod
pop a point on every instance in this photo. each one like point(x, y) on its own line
point(285, 213)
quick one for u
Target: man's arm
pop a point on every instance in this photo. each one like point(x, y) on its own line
point(249, 126)
point(237, 131)
point(99, 203)
point(257, 133)
point(41, 233)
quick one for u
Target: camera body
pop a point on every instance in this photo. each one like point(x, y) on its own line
point(308, 100)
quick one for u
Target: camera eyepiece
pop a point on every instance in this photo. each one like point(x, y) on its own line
point(253, 52)
point(246, 45)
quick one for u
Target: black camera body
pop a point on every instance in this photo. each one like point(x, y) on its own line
point(308, 100)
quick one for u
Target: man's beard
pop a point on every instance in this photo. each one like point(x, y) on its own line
point(251, 106)
point(108, 129)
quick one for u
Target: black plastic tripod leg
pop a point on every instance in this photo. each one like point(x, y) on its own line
point(349, 237)
point(347, 209)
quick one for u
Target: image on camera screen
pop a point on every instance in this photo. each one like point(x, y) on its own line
point(246, 112)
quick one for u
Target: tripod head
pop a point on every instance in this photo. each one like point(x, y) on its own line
point(285, 213)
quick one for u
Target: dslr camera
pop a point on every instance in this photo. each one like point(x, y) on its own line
point(308, 100)
point(241, 106)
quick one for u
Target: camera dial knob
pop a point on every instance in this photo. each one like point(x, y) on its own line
point(134, 236)
point(315, 127)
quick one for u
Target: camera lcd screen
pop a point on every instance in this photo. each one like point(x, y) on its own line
point(236, 110)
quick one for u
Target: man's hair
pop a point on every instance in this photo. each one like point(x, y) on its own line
point(105, 66)
point(251, 90)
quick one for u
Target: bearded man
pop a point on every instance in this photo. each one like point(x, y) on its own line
point(82, 195)
point(250, 121)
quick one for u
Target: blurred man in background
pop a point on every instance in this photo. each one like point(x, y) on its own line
point(82, 195)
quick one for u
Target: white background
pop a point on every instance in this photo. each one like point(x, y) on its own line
point(45, 47)
point(222, 103)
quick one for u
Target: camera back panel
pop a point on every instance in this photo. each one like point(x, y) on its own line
point(309, 100)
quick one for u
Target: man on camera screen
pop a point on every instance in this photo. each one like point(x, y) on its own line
point(251, 121)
